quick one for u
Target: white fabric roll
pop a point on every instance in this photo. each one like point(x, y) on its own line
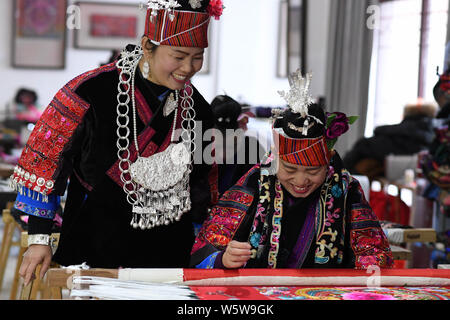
point(175, 276)
point(371, 281)
point(152, 275)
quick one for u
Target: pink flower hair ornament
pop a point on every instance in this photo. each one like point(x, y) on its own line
point(215, 8)
point(337, 124)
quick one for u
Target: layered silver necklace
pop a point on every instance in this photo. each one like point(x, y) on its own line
point(157, 187)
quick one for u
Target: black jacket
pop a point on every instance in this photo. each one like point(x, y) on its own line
point(96, 220)
point(410, 136)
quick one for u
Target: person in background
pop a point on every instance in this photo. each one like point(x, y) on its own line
point(20, 116)
point(434, 164)
point(441, 93)
point(412, 135)
point(24, 107)
point(119, 139)
point(298, 208)
point(236, 153)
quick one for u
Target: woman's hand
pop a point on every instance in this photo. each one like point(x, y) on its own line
point(236, 255)
point(35, 255)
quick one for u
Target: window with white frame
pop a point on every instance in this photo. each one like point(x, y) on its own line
point(409, 46)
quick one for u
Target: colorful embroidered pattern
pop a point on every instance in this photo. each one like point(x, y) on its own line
point(225, 217)
point(305, 152)
point(355, 293)
point(40, 157)
point(256, 233)
point(38, 164)
point(35, 211)
point(276, 225)
point(321, 293)
point(329, 220)
point(370, 247)
point(368, 241)
point(35, 204)
point(208, 263)
point(188, 29)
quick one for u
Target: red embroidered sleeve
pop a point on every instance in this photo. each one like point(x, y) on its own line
point(224, 220)
point(37, 168)
point(369, 244)
point(226, 216)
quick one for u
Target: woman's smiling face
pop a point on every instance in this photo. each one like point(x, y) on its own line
point(300, 181)
point(173, 66)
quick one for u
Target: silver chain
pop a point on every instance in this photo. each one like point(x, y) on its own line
point(127, 64)
point(188, 123)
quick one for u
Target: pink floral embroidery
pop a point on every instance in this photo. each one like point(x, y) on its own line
point(357, 295)
point(329, 203)
point(332, 216)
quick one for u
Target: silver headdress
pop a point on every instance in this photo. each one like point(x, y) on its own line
point(156, 5)
point(299, 97)
point(195, 4)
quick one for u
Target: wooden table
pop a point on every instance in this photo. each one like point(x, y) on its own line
point(273, 284)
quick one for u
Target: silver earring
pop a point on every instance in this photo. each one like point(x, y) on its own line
point(146, 70)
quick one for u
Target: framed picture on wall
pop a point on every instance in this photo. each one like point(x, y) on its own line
point(39, 34)
point(291, 37)
point(109, 26)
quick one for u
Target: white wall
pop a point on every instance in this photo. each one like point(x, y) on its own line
point(45, 82)
point(317, 44)
point(243, 55)
point(247, 51)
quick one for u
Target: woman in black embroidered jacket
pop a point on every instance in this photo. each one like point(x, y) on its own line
point(121, 212)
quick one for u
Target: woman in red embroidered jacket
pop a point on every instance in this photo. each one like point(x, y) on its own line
point(299, 208)
point(122, 135)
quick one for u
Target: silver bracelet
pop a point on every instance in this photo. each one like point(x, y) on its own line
point(42, 239)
